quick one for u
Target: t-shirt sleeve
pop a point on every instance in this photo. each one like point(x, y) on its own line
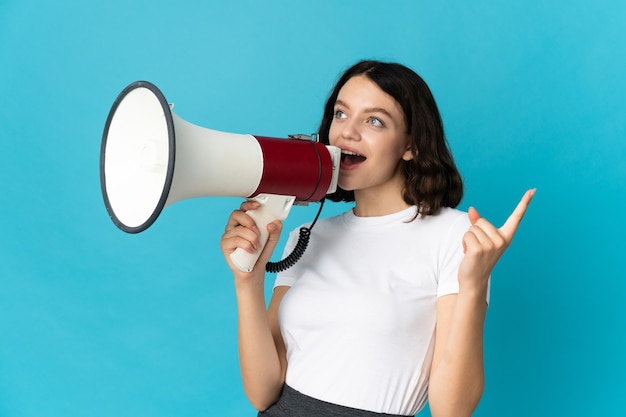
point(451, 255)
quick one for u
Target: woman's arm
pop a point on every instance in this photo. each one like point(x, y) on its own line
point(457, 373)
point(261, 349)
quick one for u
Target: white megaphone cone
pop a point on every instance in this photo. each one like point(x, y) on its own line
point(151, 158)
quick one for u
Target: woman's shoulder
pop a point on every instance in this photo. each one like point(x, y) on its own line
point(331, 222)
point(449, 214)
point(448, 220)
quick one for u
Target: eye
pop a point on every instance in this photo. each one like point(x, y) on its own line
point(339, 114)
point(375, 121)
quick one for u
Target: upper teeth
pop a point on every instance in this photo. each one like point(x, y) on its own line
point(347, 152)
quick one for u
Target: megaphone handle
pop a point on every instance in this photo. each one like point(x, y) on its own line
point(272, 207)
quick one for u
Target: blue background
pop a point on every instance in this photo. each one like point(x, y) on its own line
point(96, 322)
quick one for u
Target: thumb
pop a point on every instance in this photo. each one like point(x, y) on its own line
point(274, 228)
point(473, 215)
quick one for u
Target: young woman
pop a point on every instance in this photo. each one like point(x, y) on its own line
point(386, 308)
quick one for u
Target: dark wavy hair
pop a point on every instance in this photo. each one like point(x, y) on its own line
point(432, 180)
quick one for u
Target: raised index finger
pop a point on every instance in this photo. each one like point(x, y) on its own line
point(512, 223)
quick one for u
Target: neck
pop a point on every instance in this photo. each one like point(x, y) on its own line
point(375, 204)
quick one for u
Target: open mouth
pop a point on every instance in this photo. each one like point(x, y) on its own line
point(349, 158)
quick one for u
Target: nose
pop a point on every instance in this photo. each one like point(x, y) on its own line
point(350, 130)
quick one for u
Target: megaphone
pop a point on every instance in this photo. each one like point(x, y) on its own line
point(150, 158)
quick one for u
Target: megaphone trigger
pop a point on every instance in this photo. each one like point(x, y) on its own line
point(272, 207)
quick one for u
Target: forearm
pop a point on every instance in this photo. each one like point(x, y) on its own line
point(457, 376)
point(259, 360)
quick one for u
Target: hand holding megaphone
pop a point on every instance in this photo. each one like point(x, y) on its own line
point(271, 207)
point(150, 158)
point(246, 235)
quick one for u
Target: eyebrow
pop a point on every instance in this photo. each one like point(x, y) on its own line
point(368, 110)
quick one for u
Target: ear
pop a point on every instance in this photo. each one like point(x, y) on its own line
point(408, 154)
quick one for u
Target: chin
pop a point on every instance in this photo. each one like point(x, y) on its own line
point(346, 187)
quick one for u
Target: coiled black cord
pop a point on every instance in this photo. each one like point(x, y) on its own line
point(298, 250)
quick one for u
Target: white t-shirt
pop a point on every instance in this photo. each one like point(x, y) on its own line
point(359, 319)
